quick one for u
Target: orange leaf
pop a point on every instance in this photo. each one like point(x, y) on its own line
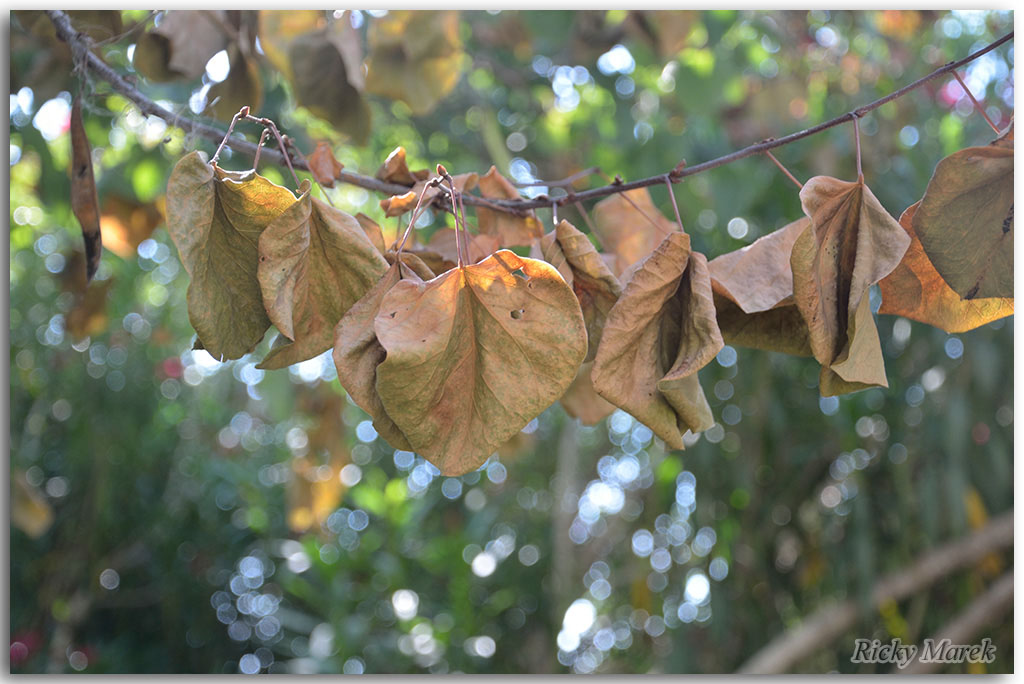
point(324, 166)
point(916, 290)
point(126, 223)
point(395, 170)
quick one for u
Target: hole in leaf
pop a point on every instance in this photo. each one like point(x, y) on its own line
point(519, 274)
point(392, 314)
point(517, 313)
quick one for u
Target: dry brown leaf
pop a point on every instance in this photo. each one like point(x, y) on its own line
point(399, 204)
point(358, 352)
point(373, 231)
point(278, 28)
point(88, 316)
point(510, 229)
point(851, 244)
point(242, 87)
point(215, 218)
point(916, 290)
point(596, 287)
point(582, 401)
point(84, 201)
point(753, 289)
point(315, 262)
point(396, 170)
point(324, 166)
point(965, 221)
point(126, 223)
point(627, 231)
point(660, 332)
point(475, 354)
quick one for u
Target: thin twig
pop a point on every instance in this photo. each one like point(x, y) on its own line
point(977, 105)
point(568, 181)
point(856, 135)
point(784, 169)
point(832, 621)
point(80, 41)
point(675, 205)
point(244, 111)
point(259, 146)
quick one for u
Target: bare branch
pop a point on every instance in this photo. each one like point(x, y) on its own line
point(80, 45)
point(832, 621)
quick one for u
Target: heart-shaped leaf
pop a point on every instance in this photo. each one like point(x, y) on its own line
point(315, 262)
point(851, 244)
point(475, 354)
point(215, 218)
point(965, 221)
point(629, 226)
point(916, 290)
point(660, 332)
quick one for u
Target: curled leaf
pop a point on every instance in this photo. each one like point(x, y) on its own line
point(578, 261)
point(399, 204)
point(396, 170)
point(315, 262)
point(215, 218)
point(660, 332)
point(84, 201)
point(511, 229)
point(475, 354)
point(358, 352)
point(917, 291)
point(324, 166)
point(630, 227)
point(965, 221)
point(753, 289)
point(851, 244)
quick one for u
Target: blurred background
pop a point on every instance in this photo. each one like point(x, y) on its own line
point(174, 514)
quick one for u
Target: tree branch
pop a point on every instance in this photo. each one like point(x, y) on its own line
point(80, 46)
point(983, 610)
point(832, 621)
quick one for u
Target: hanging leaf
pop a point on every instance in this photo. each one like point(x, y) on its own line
point(399, 204)
point(510, 229)
point(476, 353)
point(582, 401)
point(851, 244)
point(415, 57)
point(242, 87)
point(753, 289)
point(126, 223)
point(358, 352)
point(965, 221)
point(180, 45)
point(215, 218)
point(84, 201)
point(597, 289)
point(396, 170)
point(327, 79)
point(314, 264)
point(916, 290)
point(88, 315)
point(630, 232)
point(660, 332)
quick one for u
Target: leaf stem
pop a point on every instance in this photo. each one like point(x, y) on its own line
point(977, 105)
point(432, 183)
point(675, 205)
point(856, 135)
point(259, 147)
point(244, 111)
point(784, 169)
